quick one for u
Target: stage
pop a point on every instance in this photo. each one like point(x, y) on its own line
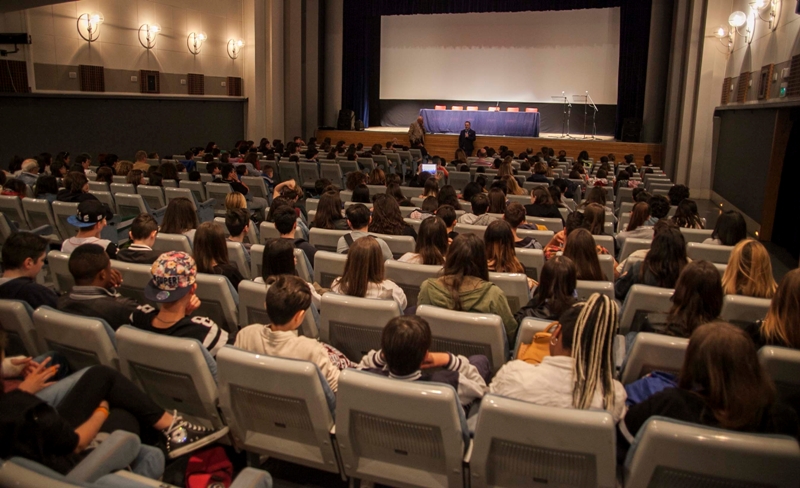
point(445, 145)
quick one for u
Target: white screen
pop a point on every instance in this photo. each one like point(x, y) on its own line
point(510, 57)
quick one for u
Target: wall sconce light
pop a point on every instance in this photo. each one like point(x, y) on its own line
point(772, 9)
point(235, 47)
point(195, 41)
point(89, 26)
point(725, 37)
point(148, 34)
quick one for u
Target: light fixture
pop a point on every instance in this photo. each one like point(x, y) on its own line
point(89, 26)
point(772, 9)
point(148, 34)
point(725, 37)
point(235, 47)
point(195, 41)
point(739, 19)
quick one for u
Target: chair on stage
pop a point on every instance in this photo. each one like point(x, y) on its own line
point(531, 109)
point(440, 107)
point(512, 109)
point(472, 108)
point(457, 107)
point(494, 109)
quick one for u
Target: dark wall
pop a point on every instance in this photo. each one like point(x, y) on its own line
point(743, 157)
point(35, 123)
point(400, 113)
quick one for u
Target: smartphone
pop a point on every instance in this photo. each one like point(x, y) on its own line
point(429, 168)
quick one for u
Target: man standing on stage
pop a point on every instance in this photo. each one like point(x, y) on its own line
point(466, 138)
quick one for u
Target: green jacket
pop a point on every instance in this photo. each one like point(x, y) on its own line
point(484, 298)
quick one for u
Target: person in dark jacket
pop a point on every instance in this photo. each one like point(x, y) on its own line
point(94, 293)
point(555, 293)
point(542, 205)
point(23, 257)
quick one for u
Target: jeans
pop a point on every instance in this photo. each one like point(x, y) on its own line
point(53, 395)
point(118, 451)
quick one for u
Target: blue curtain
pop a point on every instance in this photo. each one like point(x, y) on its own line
point(362, 44)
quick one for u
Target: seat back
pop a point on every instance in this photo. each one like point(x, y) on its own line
point(278, 407)
point(309, 174)
point(643, 298)
point(605, 241)
point(236, 257)
point(527, 329)
point(38, 213)
point(541, 236)
point(367, 163)
point(217, 301)
point(555, 225)
point(696, 235)
point(354, 325)
point(22, 337)
point(742, 308)
point(196, 187)
point(782, 364)
point(11, 207)
point(459, 180)
point(514, 286)
point(399, 433)
point(409, 277)
point(709, 252)
point(631, 245)
point(173, 193)
point(153, 195)
point(134, 278)
point(267, 230)
point(332, 172)
point(62, 211)
point(128, 188)
point(288, 171)
point(83, 341)
point(328, 266)
point(607, 265)
point(173, 371)
point(466, 333)
point(672, 453)
point(129, 204)
point(256, 260)
point(586, 288)
point(58, 262)
point(654, 352)
point(257, 187)
point(521, 444)
point(218, 191)
point(252, 309)
point(302, 266)
point(107, 198)
point(172, 242)
point(399, 245)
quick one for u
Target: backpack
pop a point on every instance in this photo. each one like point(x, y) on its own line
point(209, 468)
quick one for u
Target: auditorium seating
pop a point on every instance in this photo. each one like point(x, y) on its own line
point(641, 299)
point(82, 341)
point(353, 325)
point(653, 352)
point(21, 336)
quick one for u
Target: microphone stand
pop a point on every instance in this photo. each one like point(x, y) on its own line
point(594, 116)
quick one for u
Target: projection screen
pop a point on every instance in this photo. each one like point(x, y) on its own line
point(514, 57)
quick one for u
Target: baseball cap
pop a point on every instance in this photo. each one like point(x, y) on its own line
point(89, 213)
point(174, 273)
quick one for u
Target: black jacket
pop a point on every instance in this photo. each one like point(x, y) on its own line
point(93, 301)
point(466, 139)
point(27, 290)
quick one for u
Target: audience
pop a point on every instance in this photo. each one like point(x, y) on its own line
point(180, 218)
point(278, 259)
point(46, 188)
point(144, 230)
point(464, 284)
point(211, 253)
point(363, 274)
point(94, 293)
point(479, 214)
point(238, 223)
point(749, 271)
point(286, 225)
point(579, 371)
point(583, 251)
point(23, 257)
point(358, 220)
point(686, 215)
point(659, 208)
point(172, 287)
point(661, 267)
point(781, 327)
point(555, 292)
point(387, 219)
point(636, 227)
point(431, 245)
point(91, 219)
point(730, 229)
point(76, 189)
point(497, 202)
point(329, 212)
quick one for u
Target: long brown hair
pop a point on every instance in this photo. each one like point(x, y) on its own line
point(499, 242)
point(749, 271)
point(209, 247)
point(179, 217)
point(432, 241)
point(782, 325)
point(666, 257)
point(557, 285)
point(364, 265)
point(594, 218)
point(329, 210)
point(697, 299)
point(466, 258)
point(497, 201)
point(639, 215)
point(582, 250)
point(721, 366)
point(386, 216)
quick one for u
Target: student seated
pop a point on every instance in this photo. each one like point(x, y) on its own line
point(464, 285)
point(286, 224)
point(431, 246)
point(583, 251)
point(721, 384)
point(479, 215)
point(211, 253)
point(515, 216)
point(404, 355)
point(329, 212)
point(730, 229)
point(180, 218)
point(94, 293)
point(542, 205)
point(636, 227)
point(555, 292)
point(91, 219)
point(288, 299)
point(686, 216)
point(364, 274)
point(661, 266)
point(781, 327)
point(144, 230)
point(23, 257)
point(448, 215)
point(238, 223)
point(428, 208)
point(579, 372)
point(749, 271)
point(278, 259)
point(659, 208)
point(387, 219)
point(173, 287)
point(358, 219)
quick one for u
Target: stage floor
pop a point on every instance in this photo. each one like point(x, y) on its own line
point(542, 135)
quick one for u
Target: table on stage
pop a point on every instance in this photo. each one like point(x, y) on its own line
point(518, 124)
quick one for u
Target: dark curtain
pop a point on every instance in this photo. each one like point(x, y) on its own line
point(634, 41)
point(362, 44)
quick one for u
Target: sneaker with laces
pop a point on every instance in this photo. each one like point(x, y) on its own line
point(183, 437)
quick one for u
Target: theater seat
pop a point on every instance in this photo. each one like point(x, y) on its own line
point(512, 109)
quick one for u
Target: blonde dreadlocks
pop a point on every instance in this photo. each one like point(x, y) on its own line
point(592, 350)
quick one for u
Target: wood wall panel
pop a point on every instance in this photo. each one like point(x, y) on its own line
point(445, 145)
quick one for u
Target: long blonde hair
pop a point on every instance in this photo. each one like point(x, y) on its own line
point(513, 186)
point(749, 271)
point(782, 325)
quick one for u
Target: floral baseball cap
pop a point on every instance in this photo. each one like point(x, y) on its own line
point(174, 273)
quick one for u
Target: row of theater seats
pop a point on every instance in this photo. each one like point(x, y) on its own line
point(415, 434)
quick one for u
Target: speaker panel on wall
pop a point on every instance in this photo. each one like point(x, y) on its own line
point(346, 120)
